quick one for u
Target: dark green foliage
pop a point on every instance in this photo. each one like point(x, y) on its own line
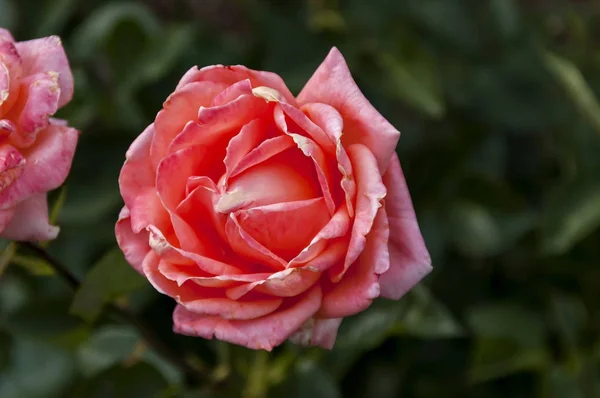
point(497, 104)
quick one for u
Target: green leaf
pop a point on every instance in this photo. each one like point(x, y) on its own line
point(139, 380)
point(34, 265)
point(107, 347)
point(110, 278)
point(427, 317)
point(575, 86)
point(47, 320)
point(572, 213)
point(36, 370)
point(308, 380)
point(509, 339)
point(415, 82)
point(479, 231)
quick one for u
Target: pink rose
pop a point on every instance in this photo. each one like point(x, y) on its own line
point(263, 215)
point(35, 150)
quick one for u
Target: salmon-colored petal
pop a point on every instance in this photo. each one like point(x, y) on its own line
point(231, 74)
point(232, 92)
point(264, 333)
point(313, 130)
point(232, 309)
point(133, 245)
point(333, 254)
point(243, 143)
point(318, 332)
point(325, 175)
point(137, 173)
point(330, 120)
point(265, 150)
point(371, 192)
point(245, 245)
point(182, 273)
point(181, 107)
point(287, 283)
point(38, 100)
point(359, 286)
point(166, 250)
point(338, 226)
point(333, 84)
point(47, 164)
point(198, 211)
point(283, 227)
point(286, 177)
point(30, 221)
point(48, 55)
point(409, 258)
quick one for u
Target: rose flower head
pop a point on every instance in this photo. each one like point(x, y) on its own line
point(36, 150)
point(268, 216)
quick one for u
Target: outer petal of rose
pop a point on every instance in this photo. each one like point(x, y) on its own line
point(232, 74)
point(30, 221)
point(48, 55)
point(287, 227)
point(5, 216)
point(318, 332)
point(133, 245)
point(261, 333)
point(333, 84)
point(48, 163)
point(359, 286)
point(232, 309)
point(137, 172)
point(410, 261)
point(181, 107)
point(371, 191)
point(11, 69)
point(232, 92)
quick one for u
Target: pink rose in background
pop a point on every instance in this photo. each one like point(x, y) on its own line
point(35, 150)
point(265, 216)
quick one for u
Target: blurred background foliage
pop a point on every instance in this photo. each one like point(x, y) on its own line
point(501, 147)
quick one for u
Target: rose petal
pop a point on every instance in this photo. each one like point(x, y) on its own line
point(261, 333)
point(370, 193)
point(232, 92)
point(166, 250)
point(243, 143)
point(231, 309)
point(246, 246)
point(409, 259)
point(48, 163)
point(48, 55)
point(330, 120)
point(317, 332)
point(30, 221)
point(266, 150)
point(283, 227)
point(359, 286)
point(333, 84)
point(229, 75)
point(286, 177)
point(38, 100)
point(181, 107)
point(287, 283)
point(133, 245)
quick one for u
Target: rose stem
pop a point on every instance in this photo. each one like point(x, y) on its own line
point(124, 313)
